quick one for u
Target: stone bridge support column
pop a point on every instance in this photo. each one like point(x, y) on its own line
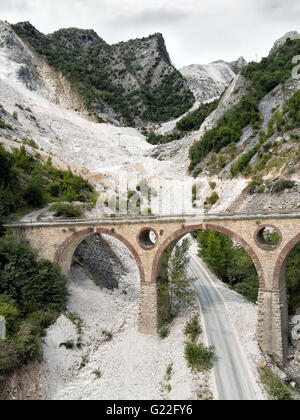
point(148, 315)
point(272, 323)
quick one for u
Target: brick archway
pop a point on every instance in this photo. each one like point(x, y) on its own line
point(185, 230)
point(76, 238)
point(281, 261)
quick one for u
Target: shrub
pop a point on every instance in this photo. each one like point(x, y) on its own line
point(242, 163)
point(282, 185)
point(27, 341)
point(256, 185)
point(34, 195)
point(8, 357)
point(163, 332)
point(34, 285)
point(66, 210)
point(193, 329)
point(199, 357)
point(69, 345)
point(9, 310)
point(213, 198)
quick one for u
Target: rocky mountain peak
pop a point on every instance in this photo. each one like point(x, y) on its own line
point(208, 81)
point(77, 38)
point(238, 64)
point(289, 35)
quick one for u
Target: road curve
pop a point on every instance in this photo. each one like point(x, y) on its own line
point(233, 377)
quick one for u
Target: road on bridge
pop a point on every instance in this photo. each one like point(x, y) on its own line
point(233, 377)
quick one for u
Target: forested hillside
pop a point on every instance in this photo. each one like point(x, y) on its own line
point(28, 183)
point(271, 73)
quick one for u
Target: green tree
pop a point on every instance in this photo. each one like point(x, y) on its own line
point(179, 283)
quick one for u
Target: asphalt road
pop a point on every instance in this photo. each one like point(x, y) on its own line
point(233, 377)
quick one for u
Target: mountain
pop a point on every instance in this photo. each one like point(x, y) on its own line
point(293, 35)
point(131, 82)
point(208, 81)
point(251, 135)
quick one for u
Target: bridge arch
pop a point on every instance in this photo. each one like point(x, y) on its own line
point(177, 235)
point(65, 252)
point(280, 266)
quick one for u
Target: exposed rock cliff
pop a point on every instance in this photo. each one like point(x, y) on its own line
point(133, 82)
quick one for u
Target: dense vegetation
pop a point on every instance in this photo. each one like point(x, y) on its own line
point(32, 295)
point(154, 138)
point(27, 182)
point(264, 77)
point(32, 291)
point(192, 121)
point(233, 265)
point(228, 130)
point(293, 280)
point(98, 72)
point(229, 262)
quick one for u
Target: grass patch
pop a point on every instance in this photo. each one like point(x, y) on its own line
point(277, 390)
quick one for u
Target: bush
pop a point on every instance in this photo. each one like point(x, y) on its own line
point(34, 195)
point(8, 357)
point(256, 185)
point(213, 199)
point(193, 329)
point(242, 163)
point(32, 295)
point(66, 210)
point(199, 357)
point(27, 341)
point(34, 285)
point(163, 332)
point(9, 310)
point(281, 185)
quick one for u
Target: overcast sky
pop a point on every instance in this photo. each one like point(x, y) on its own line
point(195, 31)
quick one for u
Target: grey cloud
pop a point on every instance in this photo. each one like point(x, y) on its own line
point(11, 5)
point(153, 16)
point(279, 9)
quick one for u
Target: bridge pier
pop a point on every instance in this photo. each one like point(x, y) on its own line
point(272, 323)
point(148, 314)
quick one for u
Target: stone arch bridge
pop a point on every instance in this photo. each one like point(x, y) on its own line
point(148, 237)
